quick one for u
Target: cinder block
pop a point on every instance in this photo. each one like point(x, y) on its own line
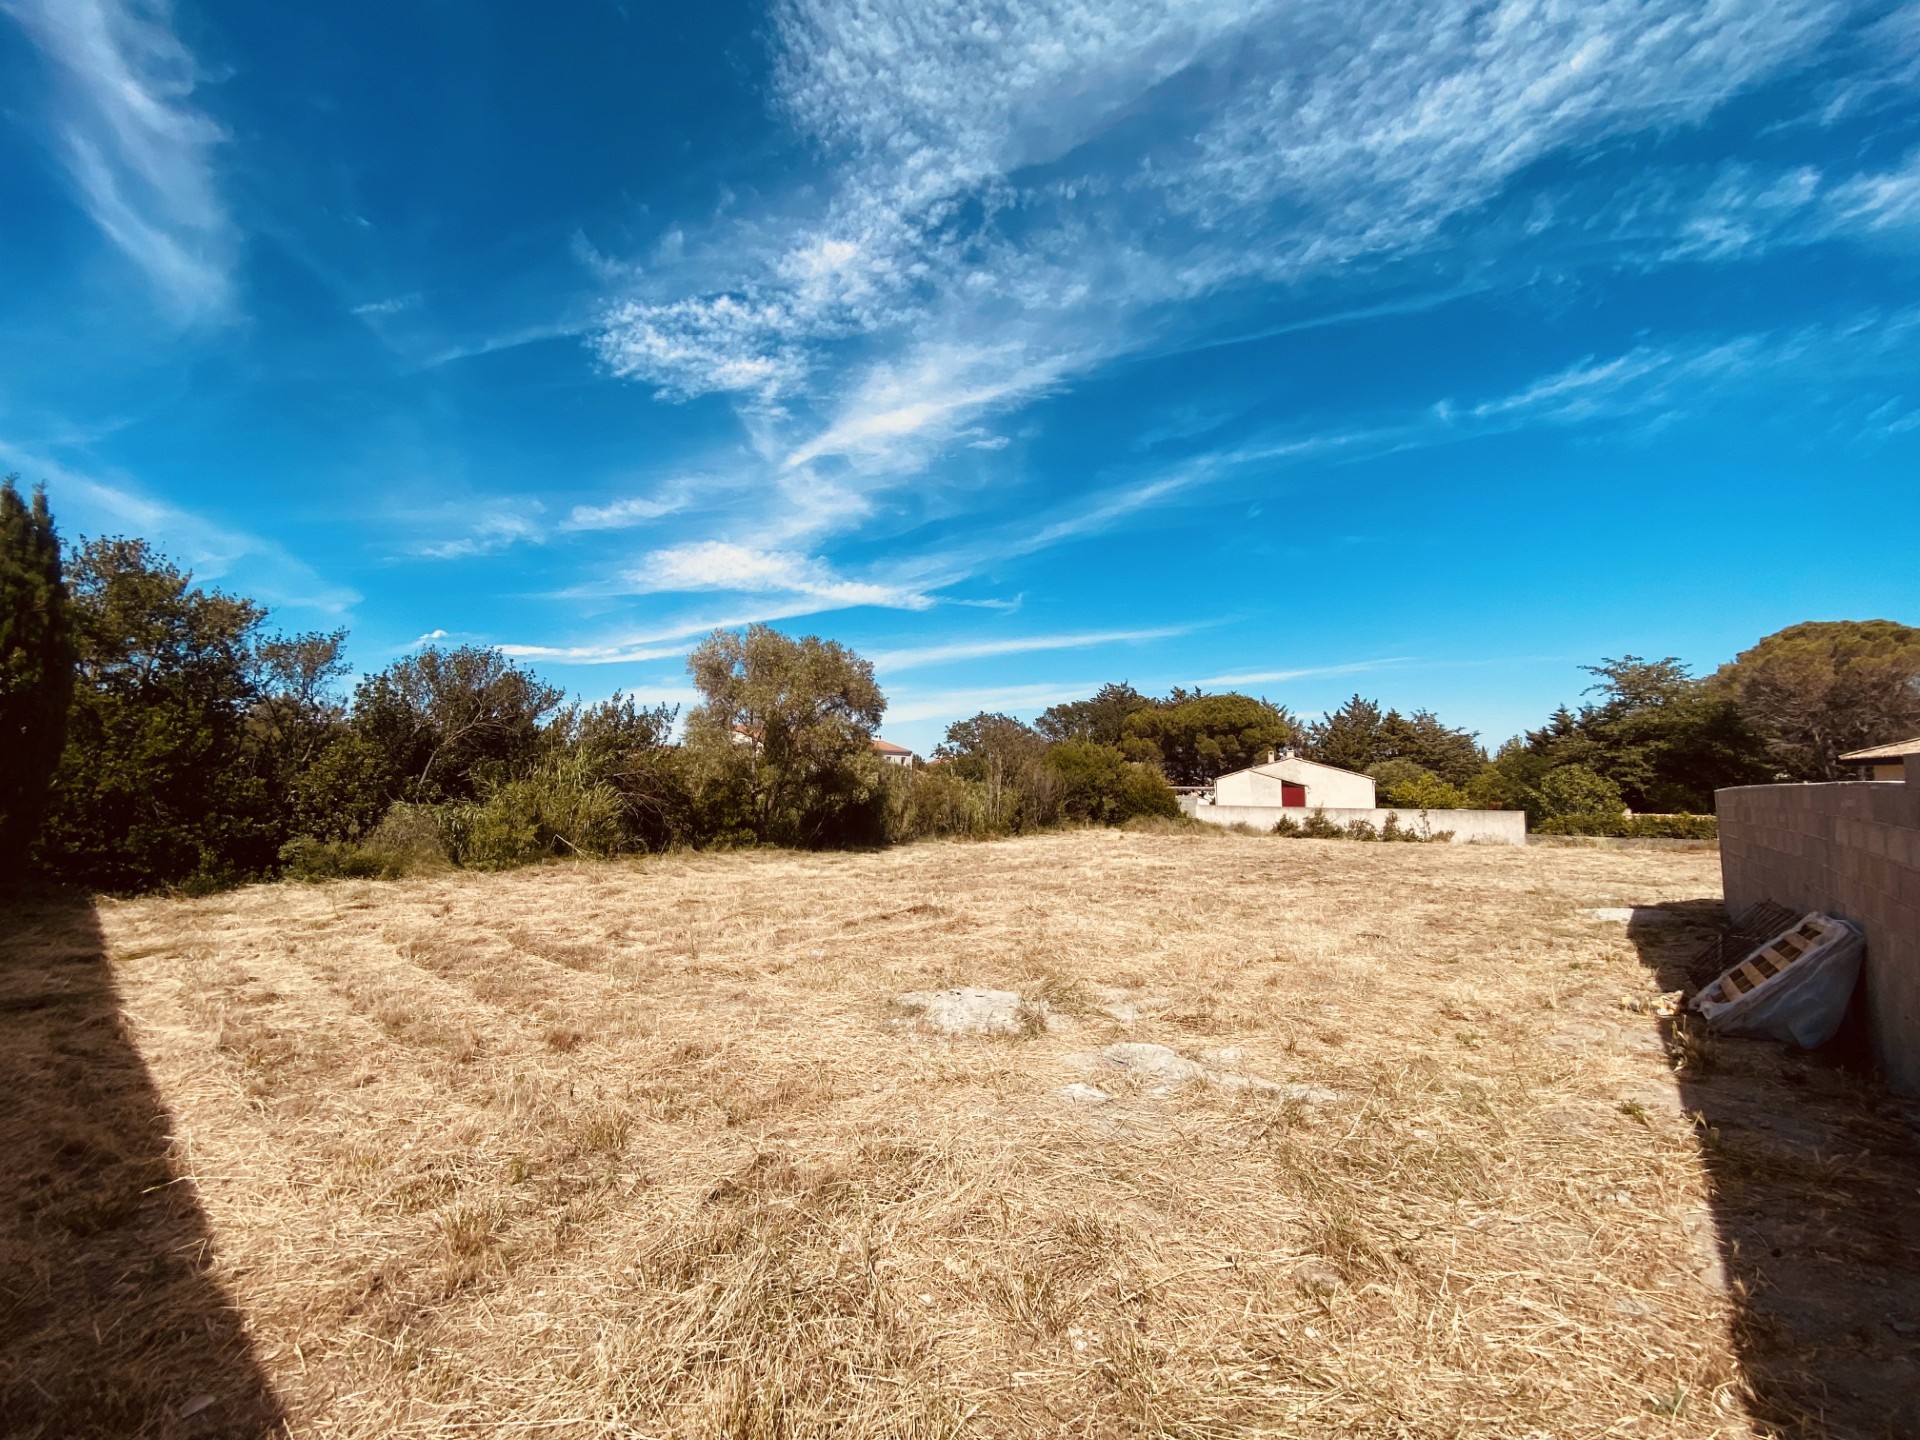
point(1886, 875)
point(1905, 919)
point(1904, 846)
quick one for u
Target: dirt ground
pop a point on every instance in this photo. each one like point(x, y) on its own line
point(649, 1149)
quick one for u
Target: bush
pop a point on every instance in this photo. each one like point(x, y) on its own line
point(1414, 787)
point(1674, 827)
point(1393, 829)
point(1502, 785)
point(1576, 790)
point(1634, 827)
point(1145, 794)
point(1318, 827)
point(1100, 786)
point(410, 835)
point(562, 808)
point(406, 842)
point(311, 860)
point(939, 802)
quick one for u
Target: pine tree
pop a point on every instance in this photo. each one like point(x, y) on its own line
point(36, 668)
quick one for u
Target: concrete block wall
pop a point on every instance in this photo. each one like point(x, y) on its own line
point(1851, 849)
point(1476, 827)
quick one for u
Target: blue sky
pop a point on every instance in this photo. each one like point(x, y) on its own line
point(1412, 347)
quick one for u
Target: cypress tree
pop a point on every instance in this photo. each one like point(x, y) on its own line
point(36, 668)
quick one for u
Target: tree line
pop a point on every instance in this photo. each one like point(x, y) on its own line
point(161, 734)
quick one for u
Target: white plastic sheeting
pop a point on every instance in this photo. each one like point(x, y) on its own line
point(1793, 988)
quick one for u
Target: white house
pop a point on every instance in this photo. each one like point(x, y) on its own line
point(1296, 783)
point(1284, 788)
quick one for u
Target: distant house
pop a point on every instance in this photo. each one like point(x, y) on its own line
point(889, 753)
point(1882, 762)
point(1296, 783)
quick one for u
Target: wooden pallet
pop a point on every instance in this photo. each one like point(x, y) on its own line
point(1751, 929)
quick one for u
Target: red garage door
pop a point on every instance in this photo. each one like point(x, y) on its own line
point(1292, 794)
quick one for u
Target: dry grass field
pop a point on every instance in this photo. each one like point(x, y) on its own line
point(649, 1149)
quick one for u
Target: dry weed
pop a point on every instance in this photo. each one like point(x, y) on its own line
point(634, 1148)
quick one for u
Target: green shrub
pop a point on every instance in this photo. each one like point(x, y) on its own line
point(561, 808)
point(1422, 791)
point(1636, 827)
point(1674, 827)
point(1582, 825)
point(406, 842)
point(410, 836)
point(935, 802)
point(497, 833)
point(1318, 827)
point(1100, 786)
point(1576, 790)
point(1145, 794)
point(313, 860)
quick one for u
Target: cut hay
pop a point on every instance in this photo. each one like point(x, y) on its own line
point(647, 1149)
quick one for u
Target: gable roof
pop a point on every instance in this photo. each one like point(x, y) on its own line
point(887, 747)
point(1283, 769)
point(1290, 768)
point(1900, 749)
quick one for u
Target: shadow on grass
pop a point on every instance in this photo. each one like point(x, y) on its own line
point(1815, 1182)
point(110, 1324)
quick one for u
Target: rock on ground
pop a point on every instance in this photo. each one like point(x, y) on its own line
point(1163, 1068)
point(967, 1011)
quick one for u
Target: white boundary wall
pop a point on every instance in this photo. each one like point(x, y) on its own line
point(1476, 827)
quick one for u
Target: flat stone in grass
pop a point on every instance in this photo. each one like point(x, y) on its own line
point(1162, 1068)
point(967, 1011)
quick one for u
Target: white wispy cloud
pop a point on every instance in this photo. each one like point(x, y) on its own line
point(1308, 672)
point(911, 706)
point(663, 641)
point(902, 411)
point(721, 565)
point(1747, 209)
point(594, 654)
point(504, 340)
point(996, 222)
point(140, 154)
point(918, 656)
point(495, 528)
point(392, 305)
point(87, 504)
point(623, 514)
point(1885, 203)
point(1865, 354)
point(1011, 201)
